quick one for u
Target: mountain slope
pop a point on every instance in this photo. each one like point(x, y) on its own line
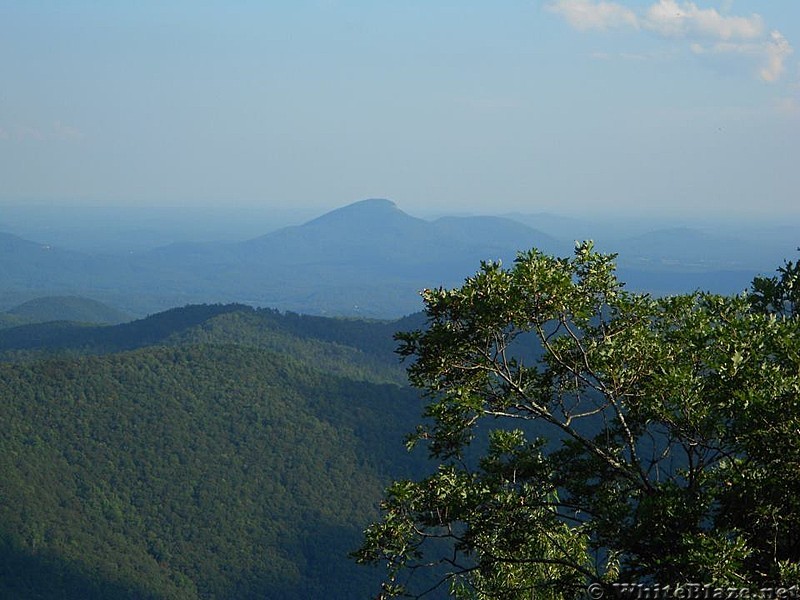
point(192, 472)
point(227, 453)
point(348, 347)
point(67, 308)
point(368, 258)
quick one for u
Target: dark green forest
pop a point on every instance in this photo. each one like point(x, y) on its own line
point(204, 452)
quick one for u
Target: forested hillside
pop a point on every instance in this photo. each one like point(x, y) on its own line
point(206, 452)
point(62, 308)
point(351, 347)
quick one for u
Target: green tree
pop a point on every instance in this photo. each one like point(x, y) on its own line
point(778, 294)
point(586, 434)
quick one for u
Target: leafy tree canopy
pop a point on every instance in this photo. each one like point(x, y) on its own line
point(587, 434)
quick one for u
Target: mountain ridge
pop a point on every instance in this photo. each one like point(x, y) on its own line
point(368, 258)
point(67, 308)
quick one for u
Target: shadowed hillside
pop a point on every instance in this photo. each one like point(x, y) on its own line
point(232, 453)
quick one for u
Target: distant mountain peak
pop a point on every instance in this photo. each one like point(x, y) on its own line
point(372, 203)
point(371, 211)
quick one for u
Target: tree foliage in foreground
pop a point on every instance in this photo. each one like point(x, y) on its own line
point(622, 438)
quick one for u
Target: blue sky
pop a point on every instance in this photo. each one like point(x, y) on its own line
point(576, 106)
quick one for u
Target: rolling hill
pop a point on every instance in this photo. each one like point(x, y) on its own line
point(205, 452)
point(63, 308)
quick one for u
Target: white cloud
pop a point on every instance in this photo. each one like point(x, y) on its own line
point(788, 106)
point(62, 131)
point(587, 14)
point(705, 29)
point(672, 19)
point(770, 54)
point(777, 50)
point(25, 132)
point(58, 132)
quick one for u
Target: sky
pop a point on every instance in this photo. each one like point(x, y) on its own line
point(574, 106)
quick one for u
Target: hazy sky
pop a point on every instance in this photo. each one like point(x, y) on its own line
point(649, 106)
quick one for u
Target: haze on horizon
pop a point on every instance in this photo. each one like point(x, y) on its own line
point(641, 107)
